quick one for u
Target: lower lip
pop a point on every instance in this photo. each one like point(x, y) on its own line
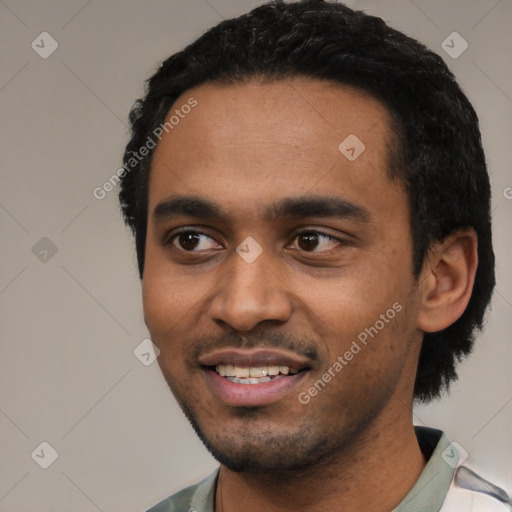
point(251, 394)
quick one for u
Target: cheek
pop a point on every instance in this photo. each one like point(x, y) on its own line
point(165, 312)
point(354, 296)
point(165, 298)
point(164, 290)
point(365, 306)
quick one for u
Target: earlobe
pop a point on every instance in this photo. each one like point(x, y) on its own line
point(447, 279)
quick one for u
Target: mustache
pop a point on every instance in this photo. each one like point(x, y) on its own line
point(204, 345)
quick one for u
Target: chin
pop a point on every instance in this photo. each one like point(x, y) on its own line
point(262, 450)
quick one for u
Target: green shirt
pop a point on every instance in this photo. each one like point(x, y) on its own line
point(427, 494)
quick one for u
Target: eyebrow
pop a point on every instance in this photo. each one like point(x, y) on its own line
point(296, 207)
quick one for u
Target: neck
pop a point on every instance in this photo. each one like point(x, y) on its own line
point(373, 473)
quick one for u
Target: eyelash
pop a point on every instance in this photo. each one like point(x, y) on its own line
point(170, 240)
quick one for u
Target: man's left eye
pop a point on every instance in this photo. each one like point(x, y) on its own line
point(310, 241)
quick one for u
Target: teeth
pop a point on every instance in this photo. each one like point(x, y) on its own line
point(254, 372)
point(272, 370)
point(225, 370)
point(258, 371)
point(240, 372)
point(250, 380)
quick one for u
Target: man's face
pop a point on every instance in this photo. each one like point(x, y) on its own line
point(329, 255)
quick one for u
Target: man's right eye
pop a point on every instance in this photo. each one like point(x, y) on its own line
point(192, 241)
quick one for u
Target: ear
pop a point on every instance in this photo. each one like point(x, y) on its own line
point(446, 280)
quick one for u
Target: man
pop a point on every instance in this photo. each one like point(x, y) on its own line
point(314, 242)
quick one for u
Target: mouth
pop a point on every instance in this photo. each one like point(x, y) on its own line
point(253, 374)
point(256, 377)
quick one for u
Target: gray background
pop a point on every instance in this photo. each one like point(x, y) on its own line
point(71, 320)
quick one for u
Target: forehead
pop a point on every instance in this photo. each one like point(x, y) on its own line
point(244, 144)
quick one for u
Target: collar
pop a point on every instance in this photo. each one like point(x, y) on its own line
point(429, 491)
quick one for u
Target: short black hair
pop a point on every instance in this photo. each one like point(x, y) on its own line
point(439, 160)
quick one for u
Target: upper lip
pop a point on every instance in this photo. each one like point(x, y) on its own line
point(254, 358)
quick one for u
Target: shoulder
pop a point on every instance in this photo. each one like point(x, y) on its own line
point(177, 502)
point(195, 498)
point(471, 491)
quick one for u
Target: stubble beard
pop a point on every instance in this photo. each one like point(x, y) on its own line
point(304, 447)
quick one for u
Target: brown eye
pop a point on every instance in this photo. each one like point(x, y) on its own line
point(188, 241)
point(315, 241)
point(308, 241)
point(192, 241)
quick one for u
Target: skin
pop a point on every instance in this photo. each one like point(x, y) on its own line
point(245, 146)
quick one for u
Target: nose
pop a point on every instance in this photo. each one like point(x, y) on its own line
point(250, 293)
